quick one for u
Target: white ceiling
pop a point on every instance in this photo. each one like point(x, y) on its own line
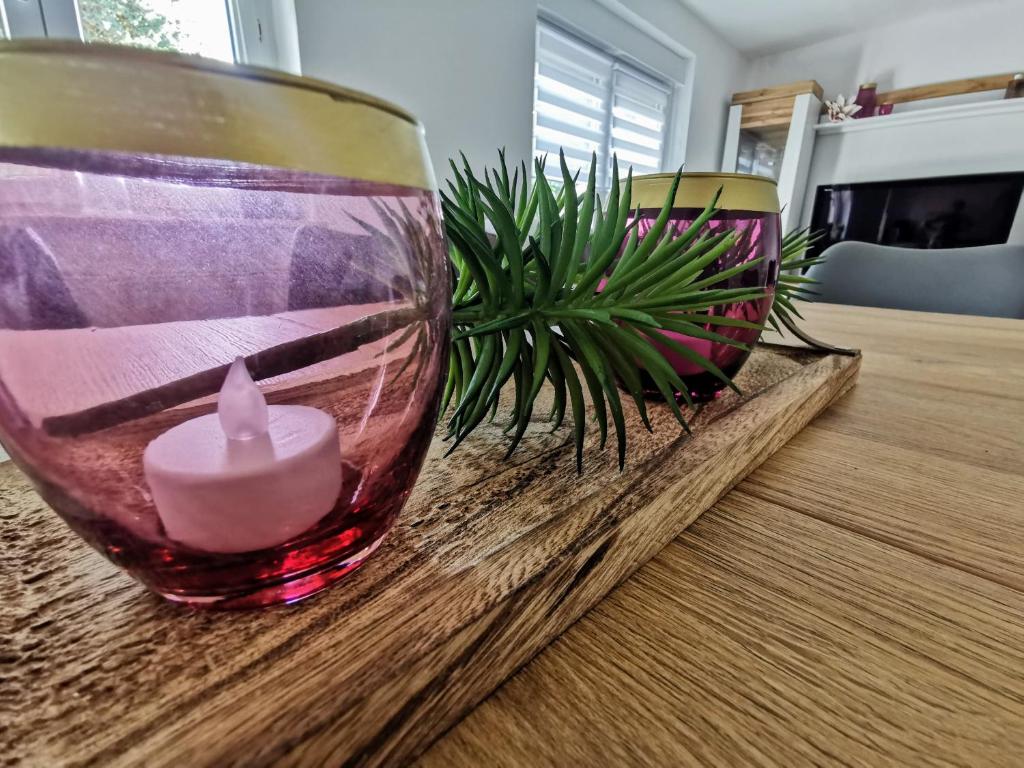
point(757, 27)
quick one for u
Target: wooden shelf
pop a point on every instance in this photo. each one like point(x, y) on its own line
point(947, 88)
point(775, 135)
point(778, 91)
point(772, 108)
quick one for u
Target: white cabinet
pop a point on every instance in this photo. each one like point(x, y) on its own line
point(770, 132)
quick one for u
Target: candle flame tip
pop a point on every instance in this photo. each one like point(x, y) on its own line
point(241, 407)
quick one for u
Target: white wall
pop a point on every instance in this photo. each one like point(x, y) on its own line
point(465, 67)
point(977, 38)
point(719, 72)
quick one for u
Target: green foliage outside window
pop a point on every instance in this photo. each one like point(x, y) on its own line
point(128, 22)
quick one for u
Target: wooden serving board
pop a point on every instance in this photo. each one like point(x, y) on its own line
point(490, 561)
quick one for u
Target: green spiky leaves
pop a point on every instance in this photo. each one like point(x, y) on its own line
point(793, 285)
point(567, 292)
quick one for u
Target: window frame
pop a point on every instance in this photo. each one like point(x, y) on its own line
point(677, 95)
point(263, 32)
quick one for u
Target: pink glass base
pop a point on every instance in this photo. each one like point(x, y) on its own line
point(702, 387)
point(757, 237)
point(292, 590)
point(295, 570)
point(129, 285)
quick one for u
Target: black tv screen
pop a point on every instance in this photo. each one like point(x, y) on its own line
point(945, 212)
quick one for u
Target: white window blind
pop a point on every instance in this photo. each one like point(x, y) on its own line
point(586, 100)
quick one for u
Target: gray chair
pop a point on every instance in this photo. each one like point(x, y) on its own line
point(986, 280)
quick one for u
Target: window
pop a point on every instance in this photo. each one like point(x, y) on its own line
point(189, 26)
point(245, 31)
point(586, 101)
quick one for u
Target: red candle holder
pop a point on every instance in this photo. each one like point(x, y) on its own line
point(168, 215)
point(748, 206)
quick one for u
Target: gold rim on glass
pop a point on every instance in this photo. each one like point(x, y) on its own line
point(79, 96)
point(740, 192)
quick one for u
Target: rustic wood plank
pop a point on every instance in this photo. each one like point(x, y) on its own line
point(769, 127)
point(771, 109)
point(946, 88)
point(766, 637)
point(782, 106)
point(490, 562)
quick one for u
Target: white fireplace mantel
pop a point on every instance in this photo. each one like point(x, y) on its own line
point(979, 137)
point(933, 114)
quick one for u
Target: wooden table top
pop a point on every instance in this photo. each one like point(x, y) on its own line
point(858, 600)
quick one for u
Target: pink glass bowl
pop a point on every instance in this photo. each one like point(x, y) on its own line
point(129, 281)
point(758, 235)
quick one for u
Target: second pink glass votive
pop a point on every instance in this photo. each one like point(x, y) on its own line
point(749, 206)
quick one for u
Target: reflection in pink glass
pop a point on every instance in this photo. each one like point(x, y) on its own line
point(128, 285)
point(757, 236)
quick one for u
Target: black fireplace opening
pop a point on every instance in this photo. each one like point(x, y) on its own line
point(939, 212)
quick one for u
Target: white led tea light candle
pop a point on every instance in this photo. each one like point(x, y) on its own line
point(248, 477)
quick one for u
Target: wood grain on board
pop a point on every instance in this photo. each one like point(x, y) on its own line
point(491, 561)
point(858, 600)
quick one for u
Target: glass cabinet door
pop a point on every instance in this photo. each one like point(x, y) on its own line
point(760, 152)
